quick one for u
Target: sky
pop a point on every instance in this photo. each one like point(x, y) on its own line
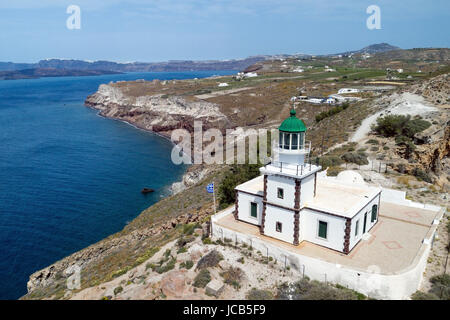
point(161, 30)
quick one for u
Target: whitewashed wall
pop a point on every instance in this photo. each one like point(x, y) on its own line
point(288, 185)
point(367, 281)
point(307, 189)
point(309, 229)
point(244, 200)
point(286, 217)
point(360, 216)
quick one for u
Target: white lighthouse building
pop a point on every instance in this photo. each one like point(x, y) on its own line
point(290, 202)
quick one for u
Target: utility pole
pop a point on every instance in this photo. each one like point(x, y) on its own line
point(214, 196)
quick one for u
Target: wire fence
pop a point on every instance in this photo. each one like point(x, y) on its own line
point(374, 165)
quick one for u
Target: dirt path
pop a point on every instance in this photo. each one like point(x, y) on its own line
point(406, 103)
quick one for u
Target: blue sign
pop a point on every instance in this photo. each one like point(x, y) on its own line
point(210, 188)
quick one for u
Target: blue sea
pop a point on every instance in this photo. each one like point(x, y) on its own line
point(68, 177)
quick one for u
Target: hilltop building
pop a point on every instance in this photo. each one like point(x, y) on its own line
point(335, 229)
point(288, 202)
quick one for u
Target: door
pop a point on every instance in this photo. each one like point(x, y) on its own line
point(253, 210)
point(365, 221)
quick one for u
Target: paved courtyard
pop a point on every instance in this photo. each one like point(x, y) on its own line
point(392, 246)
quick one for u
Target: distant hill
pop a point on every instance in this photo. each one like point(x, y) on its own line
point(49, 72)
point(170, 66)
point(373, 48)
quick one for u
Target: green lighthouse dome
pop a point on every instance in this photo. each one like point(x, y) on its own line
point(292, 124)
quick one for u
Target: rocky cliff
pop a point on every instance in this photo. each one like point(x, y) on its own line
point(156, 112)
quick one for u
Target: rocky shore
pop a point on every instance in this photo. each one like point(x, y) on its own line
point(157, 113)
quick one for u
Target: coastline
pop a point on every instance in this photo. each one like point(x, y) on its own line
point(191, 175)
point(41, 280)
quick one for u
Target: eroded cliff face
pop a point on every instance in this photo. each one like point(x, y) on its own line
point(56, 275)
point(158, 113)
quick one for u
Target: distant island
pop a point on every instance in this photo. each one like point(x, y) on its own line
point(70, 67)
point(167, 66)
point(50, 72)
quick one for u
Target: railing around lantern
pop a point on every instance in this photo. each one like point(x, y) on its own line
point(289, 168)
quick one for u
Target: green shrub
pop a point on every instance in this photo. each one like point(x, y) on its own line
point(202, 278)
point(210, 260)
point(118, 290)
point(331, 112)
point(440, 286)
point(188, 229)
point(422, 175)
point(181, 242)
point(236, 175)
point(256, 294)
point(147, 255)
point(233, 276)
point(329, 161)
point(395, 125)
point(120, 272)
point(207, 241)
point(372, 141)
point(163, 265)
point(334, 171)
point(359, 158)
point(419, 295)
point(315, 290)
point(182, 250)
point(187, 265)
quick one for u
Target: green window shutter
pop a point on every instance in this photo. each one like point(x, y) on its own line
point(374, 213)
point(253, 211)
point(280, 193)
point(323, 226)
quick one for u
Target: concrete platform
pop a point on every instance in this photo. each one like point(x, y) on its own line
point(394, 244)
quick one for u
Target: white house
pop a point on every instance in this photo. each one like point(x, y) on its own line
point(290, 203)
point(298, 69)
point(348, 90)
point(250, 74)
point(331, 100)
point(223, 84)
point(316, 100)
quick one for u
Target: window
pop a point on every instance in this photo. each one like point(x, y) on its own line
point(374, 213)
point(287, 140)
point(280, 193)
point(279, 227)
point(356, 228)
point(294, 141)
point(253, 209)
point(301, 142)
point(365, 222)
point(281, 140)
point(323, 226)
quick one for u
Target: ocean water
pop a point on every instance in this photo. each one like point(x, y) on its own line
point(68, 177)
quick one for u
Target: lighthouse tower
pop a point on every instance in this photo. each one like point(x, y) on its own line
point(289, 182)
point(291, 149)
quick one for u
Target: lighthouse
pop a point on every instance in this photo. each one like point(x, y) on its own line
point(289, 181)
point(290, 202)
